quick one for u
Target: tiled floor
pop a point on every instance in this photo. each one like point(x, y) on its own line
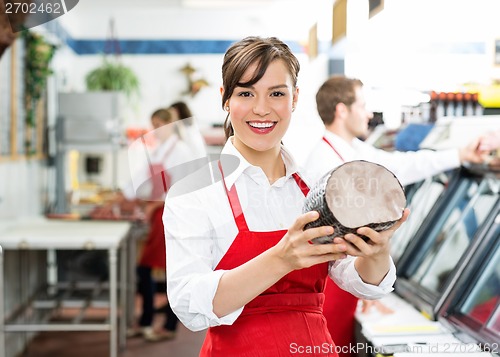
point(96, 344)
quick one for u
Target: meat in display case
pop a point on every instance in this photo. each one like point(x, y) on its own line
point(453, 228)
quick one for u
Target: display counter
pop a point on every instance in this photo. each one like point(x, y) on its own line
point(447, 293)
point(44, 310)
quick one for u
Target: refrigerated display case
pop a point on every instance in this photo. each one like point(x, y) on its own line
point(472, 307)
point(421, 197)
point(453, 228)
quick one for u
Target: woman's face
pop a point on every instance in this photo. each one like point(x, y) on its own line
point(260, 114)
point(174, 114)
point(161, 130)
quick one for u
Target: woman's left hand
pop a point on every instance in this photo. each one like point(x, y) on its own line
point(378, 244)
point(373, 260)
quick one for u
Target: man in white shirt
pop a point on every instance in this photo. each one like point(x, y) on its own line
point(342, 108)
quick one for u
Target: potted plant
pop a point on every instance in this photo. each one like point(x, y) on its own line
point(112, 76)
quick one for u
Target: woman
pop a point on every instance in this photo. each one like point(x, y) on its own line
point(180, 110)
point(169, 152)
point(232, 266)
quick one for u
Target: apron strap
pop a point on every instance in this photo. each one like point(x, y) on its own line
point(329, 143)
point(154, 168)
point(235, 204)
point(302, 185)
point(167, 154)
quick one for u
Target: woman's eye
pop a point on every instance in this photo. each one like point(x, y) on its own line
point(277, 94)
point(244, 94)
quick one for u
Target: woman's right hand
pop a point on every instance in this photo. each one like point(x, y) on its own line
point(296, 249)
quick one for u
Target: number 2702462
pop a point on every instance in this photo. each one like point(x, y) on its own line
point(32, 8)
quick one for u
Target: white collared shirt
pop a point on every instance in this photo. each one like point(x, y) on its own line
point(200, 227)
point(409, 167)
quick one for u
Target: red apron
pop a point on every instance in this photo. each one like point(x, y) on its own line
point(284, 320)
point(153, 252)
point(340, 308)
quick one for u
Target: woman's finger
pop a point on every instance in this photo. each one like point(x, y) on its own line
point(372, 234)
point(304, 219)
point(329, 248)
point(316, 232)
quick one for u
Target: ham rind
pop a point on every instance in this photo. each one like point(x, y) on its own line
point(356, 194)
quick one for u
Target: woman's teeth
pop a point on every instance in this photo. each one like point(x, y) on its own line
point(260, 125)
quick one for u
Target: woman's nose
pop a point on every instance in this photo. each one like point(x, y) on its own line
point(261, 108)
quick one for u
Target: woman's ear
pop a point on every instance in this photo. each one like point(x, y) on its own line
point(226, 103)
point(295, 98)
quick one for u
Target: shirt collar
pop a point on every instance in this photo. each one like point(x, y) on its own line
point(244, 166)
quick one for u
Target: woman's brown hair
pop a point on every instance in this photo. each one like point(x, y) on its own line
point(183, 109)
point(162, 114)
point(246, 52)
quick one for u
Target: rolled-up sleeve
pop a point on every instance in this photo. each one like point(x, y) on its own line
point(191, 279)
point(345, 275)
point(200, 314)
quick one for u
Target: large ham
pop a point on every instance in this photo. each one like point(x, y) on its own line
point(356, 194)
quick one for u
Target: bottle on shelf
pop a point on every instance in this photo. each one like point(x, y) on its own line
point(469, 107)
point(459, 104)
point(441, 105)
point(478, 108)
point(433, 106)
point(450, 104)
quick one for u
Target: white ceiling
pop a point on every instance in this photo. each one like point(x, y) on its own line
point(178, 19)
point(229, 4)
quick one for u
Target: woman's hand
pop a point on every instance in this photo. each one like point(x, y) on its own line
point(296, 250)
point(378, 244)
point(373, 260)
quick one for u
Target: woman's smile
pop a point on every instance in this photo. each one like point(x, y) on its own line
point(262, 127)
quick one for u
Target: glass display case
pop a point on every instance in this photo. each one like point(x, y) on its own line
point(472, 307)
point(421, 197)
point(454, 227)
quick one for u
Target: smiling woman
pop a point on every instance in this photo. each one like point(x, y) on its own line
point(238, 271)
